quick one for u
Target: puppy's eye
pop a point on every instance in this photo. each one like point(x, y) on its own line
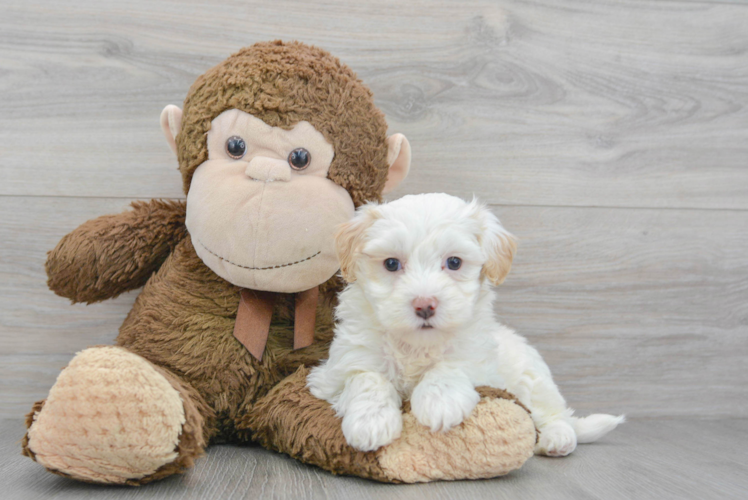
point(235, 147)
point(454, 263)
point(392, 265)
point(299, 159)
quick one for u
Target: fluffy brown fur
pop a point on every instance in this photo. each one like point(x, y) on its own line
point(283, 84)
point(110, 255)
point(290, 420)
point(183, 320)
point(293, 421)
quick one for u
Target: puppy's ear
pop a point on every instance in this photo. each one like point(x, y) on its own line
point(350, 237)
point(496, 242)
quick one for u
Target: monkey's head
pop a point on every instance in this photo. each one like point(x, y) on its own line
point(277, 145)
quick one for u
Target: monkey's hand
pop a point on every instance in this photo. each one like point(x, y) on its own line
point(110, 255)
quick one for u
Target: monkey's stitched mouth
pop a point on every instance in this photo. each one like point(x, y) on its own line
point(257, 268)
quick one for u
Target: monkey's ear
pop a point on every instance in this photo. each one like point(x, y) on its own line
point(350, 238)
point(171, 124)
point(398, 159)
point(498, 245)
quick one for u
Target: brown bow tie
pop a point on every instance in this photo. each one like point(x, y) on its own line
point(255, 311)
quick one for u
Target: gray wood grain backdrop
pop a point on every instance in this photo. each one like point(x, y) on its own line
point(642, 460)
point(610, 136)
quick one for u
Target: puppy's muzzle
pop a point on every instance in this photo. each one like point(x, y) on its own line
point(425, 306)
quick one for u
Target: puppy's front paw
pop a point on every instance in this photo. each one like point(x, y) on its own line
point(441, 406)
point(557, 439)
point(369, 431)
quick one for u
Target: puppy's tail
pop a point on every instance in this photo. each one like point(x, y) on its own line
point(595, 426)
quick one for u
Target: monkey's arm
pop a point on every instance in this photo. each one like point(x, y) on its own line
point(112, 254)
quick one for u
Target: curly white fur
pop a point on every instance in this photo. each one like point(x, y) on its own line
point(383, 351)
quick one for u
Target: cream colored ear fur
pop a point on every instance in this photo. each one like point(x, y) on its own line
point(398, 158)
point(350, 238)
point(497, 243)
point(171, 124)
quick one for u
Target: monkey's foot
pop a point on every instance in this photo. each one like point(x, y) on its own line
point(497, 437)
point(113, 417)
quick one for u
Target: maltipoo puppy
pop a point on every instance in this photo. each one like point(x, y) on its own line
point(417, 322)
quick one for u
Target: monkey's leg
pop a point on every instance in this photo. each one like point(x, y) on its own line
point(498, 437)
point(114, 417)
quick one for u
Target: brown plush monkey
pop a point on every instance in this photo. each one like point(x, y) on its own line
point(276, 146)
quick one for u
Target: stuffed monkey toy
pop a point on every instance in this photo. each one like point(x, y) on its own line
point(277, 145)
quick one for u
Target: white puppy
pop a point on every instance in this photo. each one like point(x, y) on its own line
point(416, 322)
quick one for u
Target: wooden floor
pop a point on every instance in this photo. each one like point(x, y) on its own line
point(644, 459)
point(610, 136)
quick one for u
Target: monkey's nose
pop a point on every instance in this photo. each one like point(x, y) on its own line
point(425, 306)
point(264, 169)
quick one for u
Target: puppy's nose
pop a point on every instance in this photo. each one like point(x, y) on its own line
point(425, 306)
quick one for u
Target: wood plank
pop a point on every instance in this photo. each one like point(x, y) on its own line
point(608, 103)
point(636, 311)
point(35, 320)
point(643, 459)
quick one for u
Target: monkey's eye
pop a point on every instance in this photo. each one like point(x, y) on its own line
point(299, 159)
point(236, 147)
point(454, 263)
point(392, 265)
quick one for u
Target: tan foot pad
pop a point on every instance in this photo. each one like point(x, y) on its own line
point(497, 438)
point(110, 417)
